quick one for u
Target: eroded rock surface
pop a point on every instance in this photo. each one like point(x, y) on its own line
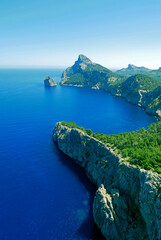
point(127, 204)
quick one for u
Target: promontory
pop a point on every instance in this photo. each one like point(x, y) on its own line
point(139, 89)
point(127, 204)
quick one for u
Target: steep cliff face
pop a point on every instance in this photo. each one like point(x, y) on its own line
point(152, 102)
point(139, 89)
point(127, 204)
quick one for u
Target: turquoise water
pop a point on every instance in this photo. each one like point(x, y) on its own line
point(43, 194)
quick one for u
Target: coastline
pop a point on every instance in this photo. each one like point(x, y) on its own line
point(127, 200)
point(115, 95)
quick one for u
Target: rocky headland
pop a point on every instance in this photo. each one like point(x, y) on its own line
point(49, 82)
point(138, 89)
point(127, 204)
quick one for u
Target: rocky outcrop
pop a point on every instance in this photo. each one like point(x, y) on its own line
point(49, 82)
point(127, 204)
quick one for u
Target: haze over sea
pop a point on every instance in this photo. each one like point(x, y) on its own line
point(44, 195)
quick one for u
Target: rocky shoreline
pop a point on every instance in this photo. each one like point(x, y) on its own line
point(141, 101)
point(156, 114)
point(127, 204)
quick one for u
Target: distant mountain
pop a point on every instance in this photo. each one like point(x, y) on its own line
point(139, 89)
point(132, 70)
point(86, 73)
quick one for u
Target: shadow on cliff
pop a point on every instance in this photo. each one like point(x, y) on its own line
point(88, 229)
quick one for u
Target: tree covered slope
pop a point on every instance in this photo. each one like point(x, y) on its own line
point(141, 148)
point(139, 89)
point(86, 73)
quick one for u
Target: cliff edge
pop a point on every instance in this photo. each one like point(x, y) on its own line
point(127, 204)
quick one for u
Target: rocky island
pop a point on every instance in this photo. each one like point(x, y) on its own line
point(127, 204)
point(139, 89)
point(49, 82)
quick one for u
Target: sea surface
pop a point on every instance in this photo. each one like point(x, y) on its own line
point(43, 194)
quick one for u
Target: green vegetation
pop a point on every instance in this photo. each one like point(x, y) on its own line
point(144, 82)
point(139, 89)
point(76, 79)
point(86, 73)
point(155, 102)
point(97, 67)
point(141, 148)
point(72, 125)
point(90, 78)
point(133, 70)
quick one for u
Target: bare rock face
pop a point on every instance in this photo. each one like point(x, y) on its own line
point(49, 82)
point(127, 204)
point(117, 217)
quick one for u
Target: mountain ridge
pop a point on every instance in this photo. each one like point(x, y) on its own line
point(135, 68)
point(132, 70)
point(139, 89)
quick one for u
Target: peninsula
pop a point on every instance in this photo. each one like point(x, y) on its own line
point(127, 204)
point(139, 89)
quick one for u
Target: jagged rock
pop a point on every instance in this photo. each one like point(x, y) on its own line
point(127, 205)
point(118, 214)
point(49, 82)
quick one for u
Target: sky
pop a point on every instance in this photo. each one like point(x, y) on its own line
point(52, 33)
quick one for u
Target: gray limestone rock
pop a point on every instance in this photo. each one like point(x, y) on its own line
point(127, 204)
point(49, 82)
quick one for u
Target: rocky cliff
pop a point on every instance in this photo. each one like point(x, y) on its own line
point(139, 89)
point(127, 204)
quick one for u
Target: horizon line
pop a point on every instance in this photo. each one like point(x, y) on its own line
point(30, 66)
point(62, 67)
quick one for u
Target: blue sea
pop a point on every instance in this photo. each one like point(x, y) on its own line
point(44, 195)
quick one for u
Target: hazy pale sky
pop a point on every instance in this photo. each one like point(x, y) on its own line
point(113, 33)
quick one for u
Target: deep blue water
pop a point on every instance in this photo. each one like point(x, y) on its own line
point(43, 194)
